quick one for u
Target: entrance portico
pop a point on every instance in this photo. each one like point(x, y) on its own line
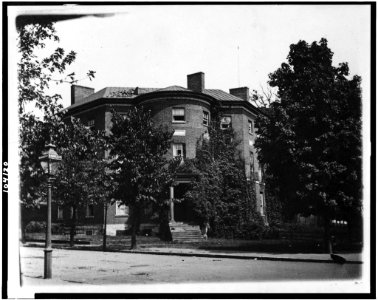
point(180, 179)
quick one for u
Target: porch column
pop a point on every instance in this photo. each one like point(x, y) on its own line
point(171, 196)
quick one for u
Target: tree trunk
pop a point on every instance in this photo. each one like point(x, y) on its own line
point(73, 228)
point(104, 228)
point(327, 234)
point(164, 231)
point(133, 237)
point(134, 225)
point(23, 230)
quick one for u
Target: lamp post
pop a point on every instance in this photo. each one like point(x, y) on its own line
point(49, 161)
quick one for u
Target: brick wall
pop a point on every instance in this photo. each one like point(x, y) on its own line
point(112, 218)
point(196, 82)
point(240, 118)
point(193, 125)
point(80, 92)
point(81, 215)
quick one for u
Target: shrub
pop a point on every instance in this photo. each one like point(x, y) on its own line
point(57, 228)
point(271, 232)
point(35, 227)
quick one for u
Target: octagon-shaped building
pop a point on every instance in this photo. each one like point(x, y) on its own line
point(187, 111)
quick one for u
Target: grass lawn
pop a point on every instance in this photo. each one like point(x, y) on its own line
point(283, 245)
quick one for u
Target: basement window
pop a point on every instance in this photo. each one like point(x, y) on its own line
point(89, 213)
point(60, 212)
point(72, 213)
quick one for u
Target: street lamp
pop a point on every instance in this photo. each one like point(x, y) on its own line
point(49, 162)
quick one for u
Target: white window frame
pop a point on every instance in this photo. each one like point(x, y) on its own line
point(175, 114)
point(60, 213)
point(206, 118)
point(179, 132)
point(178, 147)
point(121, 210)
point(223, 122)
point(259, 171)
point(252, 161)
point(262, 200)
point(250, 126)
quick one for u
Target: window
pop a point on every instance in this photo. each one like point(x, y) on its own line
point(121, 209)
point(60, 213)
point(89, 213)
point(262, 203)
point(225, 122)
point(206, 118)
point(72, 210)
point(91, 124)
point(123, 115)
point(179, 132)
point(178, 114)
point(179, 150)
point(252, 161)
point(250, 127)
point(259, 172)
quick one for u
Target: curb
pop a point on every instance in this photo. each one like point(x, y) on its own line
point(232, 256)
point(208, 255)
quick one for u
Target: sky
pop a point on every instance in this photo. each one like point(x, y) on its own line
point(234, 45)
point(157, 46)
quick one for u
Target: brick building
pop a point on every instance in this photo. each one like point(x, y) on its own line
point(187, 112)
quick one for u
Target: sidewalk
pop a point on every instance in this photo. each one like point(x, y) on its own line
point(354, 258)
point(351, 258)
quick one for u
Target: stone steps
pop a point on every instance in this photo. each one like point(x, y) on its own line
point(182, 232)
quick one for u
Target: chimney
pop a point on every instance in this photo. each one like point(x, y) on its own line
point(196, 82)
point(242, 92)
point(80, 92)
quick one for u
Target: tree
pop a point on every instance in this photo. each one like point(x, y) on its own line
point(79, 177)
point(313, 133)
point(139, 164)
point(221, 195)
point(35, 75)
point(264, 98)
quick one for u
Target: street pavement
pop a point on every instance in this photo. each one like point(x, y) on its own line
point(354, 258)
point(78, 267)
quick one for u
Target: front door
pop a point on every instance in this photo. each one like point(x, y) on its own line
point(183, 210)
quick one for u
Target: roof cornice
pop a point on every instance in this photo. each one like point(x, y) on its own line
point(172, 94)
point(98, 102)
point(243, 103)
point(163, 94)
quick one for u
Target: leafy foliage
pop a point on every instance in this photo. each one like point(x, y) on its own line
point(82, 178)
point(82, 151)
point(139, 164)
point(313, 133)
point(221, 195)
point(35, 75)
